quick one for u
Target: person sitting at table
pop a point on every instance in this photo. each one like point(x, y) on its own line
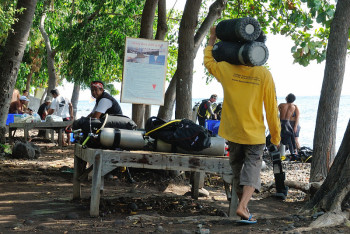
point(105, 103)
point(62, 107)
point(17, 107)
point(42, 112)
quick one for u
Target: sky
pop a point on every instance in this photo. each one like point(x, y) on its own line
point(288, 77)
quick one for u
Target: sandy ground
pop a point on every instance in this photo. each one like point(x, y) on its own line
point(36, 197)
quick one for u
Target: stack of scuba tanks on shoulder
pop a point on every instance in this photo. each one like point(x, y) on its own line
point(242, 42)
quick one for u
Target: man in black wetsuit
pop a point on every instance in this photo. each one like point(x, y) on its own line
point(287, 132)
point(105, 103)
point(205, 110)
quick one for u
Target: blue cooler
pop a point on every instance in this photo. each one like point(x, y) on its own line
point(212, 125)
point(11, 118)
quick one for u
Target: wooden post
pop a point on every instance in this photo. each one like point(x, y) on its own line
point(79, 166)
point(234, 201)
point(96, 185)
point(197, 177)
point(60, 139)
point(102, 185)
point(26, 133)
point(11, 136)
point(52, 135)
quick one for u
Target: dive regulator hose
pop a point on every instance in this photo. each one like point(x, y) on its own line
point(101, 128)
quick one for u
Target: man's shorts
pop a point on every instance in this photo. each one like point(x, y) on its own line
point(245, 161)
point(296, 134)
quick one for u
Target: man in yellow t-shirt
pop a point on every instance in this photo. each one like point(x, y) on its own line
point(247, 90)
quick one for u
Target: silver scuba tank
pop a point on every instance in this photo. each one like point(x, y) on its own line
point(217, 148)
point(122, 138)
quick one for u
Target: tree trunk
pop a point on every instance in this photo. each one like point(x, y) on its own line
point(146, 31)
point(12, 57)
point(335, 191)
point(75, 98)
point(29, 79)
point(165, 112)
point(327, 114)
point(185, 59)
point(50, 55)
point(162, 29)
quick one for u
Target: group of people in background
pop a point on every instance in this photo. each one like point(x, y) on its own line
point(61, 106)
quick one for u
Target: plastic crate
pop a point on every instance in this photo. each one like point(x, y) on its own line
point(213, 126)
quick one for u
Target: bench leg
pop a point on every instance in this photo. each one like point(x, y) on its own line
point(102, 184)
point(79, 166)
point(60, 139)
point(11, 136)
point(52, 135)
point(96, 185)
point(233, 202)
point(197, 183)
point(26, 134)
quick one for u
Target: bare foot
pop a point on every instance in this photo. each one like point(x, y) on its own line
point(244, 214)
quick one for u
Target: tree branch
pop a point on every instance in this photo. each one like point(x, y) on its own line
point(214, 13)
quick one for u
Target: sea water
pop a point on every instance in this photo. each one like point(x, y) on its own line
point(307, 106)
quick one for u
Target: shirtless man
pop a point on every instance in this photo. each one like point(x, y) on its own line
point(287, 110)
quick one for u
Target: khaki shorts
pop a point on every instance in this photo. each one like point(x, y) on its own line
point(245, 161)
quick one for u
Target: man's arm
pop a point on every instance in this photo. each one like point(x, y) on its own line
point(271, 109)
point(50, 111)
point(52, 107)
point(96, 115)
point(103, 105)
point(71, 111)
point(297, 114)
point(19, 108)
point(210, 110)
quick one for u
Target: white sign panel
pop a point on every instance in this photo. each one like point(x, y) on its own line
point(145, 67)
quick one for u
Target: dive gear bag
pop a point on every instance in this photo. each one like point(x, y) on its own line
point(181, 133)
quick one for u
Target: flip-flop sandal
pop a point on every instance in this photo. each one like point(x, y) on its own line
point(248, 221)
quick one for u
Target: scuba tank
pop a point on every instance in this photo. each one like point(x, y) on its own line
point(240, 29)
point(281, 189)
point(249, 54)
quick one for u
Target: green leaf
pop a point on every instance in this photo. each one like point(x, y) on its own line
point(321, 18)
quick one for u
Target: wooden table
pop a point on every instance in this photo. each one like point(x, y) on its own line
point(104, 161)
point(58, 126)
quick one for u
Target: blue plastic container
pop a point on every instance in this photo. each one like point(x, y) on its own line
point(72, 137)
point(10, 118)
point(212, 125)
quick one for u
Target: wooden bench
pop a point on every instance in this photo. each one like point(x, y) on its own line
point(104, 161)
point(58, 126)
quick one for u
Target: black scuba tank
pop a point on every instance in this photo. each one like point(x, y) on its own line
point(239, 30)
point(250, 54)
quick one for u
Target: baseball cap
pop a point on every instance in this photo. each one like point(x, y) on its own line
point(24, 98)
point(48, 99)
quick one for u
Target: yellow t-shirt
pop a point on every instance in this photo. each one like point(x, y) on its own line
point(246, 91)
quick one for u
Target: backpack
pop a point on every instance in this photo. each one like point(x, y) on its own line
point(181, 133)
point(305, 154)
